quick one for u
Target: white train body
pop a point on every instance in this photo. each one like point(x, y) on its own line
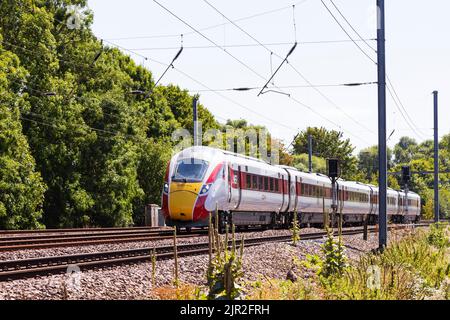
point(247, 191)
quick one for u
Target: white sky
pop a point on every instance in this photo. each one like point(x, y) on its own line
point(418, 59)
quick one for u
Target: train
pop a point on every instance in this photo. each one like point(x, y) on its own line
point(248, 192)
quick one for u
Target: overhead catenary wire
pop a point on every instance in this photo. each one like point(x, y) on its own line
point(398, 105)
point(348, 34)
point(178, 70)
point(389, 81)
point(354, 84)
point(198, 82)
point(167, 69)
point(293, 67)
point(210, 40)
point(298, 102)
point(351, 26)
point(402, 106)
point(247, 45)
point(212, 26)
point(278, 69)
point(252, 70)
point(285, 59)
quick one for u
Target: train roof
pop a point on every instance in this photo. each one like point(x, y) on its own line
point(317, 176)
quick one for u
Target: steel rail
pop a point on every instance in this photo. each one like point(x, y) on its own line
point(22, 268)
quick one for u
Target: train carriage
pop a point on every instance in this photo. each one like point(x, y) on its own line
point(250, 192)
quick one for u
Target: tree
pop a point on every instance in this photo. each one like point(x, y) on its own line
point(328, 144)
point(153, 159)
point(405, 150)
point(301, 162)
point(368, 162)
point(21, 187)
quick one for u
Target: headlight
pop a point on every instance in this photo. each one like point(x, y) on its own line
point(166, 188)
point(205, 188)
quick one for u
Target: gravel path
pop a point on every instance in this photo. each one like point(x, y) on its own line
point(134, 281)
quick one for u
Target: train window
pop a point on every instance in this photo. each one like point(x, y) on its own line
point(260, 183)
point(277, 185)
point(272, 187)
point(254, 182)
point(266, 183)
point(248, 181)
point(190, 170)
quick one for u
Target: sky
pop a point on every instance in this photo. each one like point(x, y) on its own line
point(417, 55)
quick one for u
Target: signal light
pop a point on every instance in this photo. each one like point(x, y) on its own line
point(406, 174)
point(333, 168)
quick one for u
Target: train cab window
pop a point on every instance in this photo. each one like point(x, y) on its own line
point(190, 170)
point(266, 183)
point(254, 182)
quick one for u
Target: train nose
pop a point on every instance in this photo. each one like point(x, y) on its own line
point(182, 199)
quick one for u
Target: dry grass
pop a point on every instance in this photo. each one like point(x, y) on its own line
point(182, 292)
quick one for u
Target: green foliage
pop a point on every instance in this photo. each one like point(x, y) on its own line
point(295, 229)
point(93, 154)
point(335, 260)
point(301, 162)
point(408, 269)
point(405, 150)
point(21, 187)
point(101, 151)
point(437, 236)
point(368, 162)
point(225, 267)
point(328, 144)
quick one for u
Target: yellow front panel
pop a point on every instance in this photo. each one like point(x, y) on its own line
point(182, 199)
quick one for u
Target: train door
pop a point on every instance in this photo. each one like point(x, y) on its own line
point(234, 191)
point(340, 197)
point(371, 198)
point(292, 192)
point(297, 192)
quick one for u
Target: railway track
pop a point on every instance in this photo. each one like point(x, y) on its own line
point(88, 238)
point(23, 268)
point(74, 230)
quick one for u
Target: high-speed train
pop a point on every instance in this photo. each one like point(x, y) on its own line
point(246, 191)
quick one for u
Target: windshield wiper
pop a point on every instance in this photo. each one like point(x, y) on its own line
point(182, 179)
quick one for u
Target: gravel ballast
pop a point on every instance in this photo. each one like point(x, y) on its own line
point(135, 281)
